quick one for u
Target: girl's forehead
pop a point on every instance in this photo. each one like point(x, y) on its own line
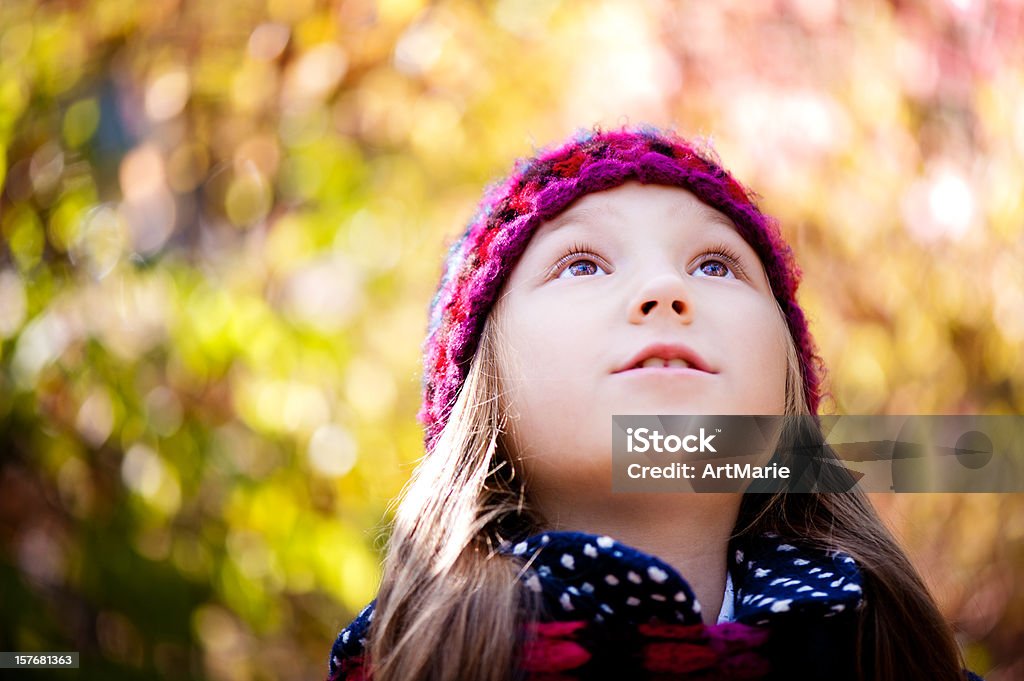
point(612, 207)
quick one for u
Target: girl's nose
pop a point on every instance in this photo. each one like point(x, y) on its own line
point(665, 296)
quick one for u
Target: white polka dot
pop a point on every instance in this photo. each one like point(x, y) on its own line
point(344, 636)
point(568, 561)
point(786, 547)
point(607, 608)
point(589, 550)
point(813, 570)
point(573, 590)
point(617, 554)
point(800, 561)
point(778, 580)
point(658, 597)
point(544, 571)
point(696, 606)
point(680, 597)
point(851, 587)
point(657, 574)
point(612, 579)
point(839, 607)
point(781, 606)
point(824, 575)
point(520, 548)
point(632, 601)
point(634, 577)
point(533, 583)
point(587, 588)
point(545, 539)
point(566, 602)
point(819, 594)
point(739, 556)
point(370, 618)
point(605, 542)
point(792, 582)
point(761, 572)
point(837, 582)
point(805, 588)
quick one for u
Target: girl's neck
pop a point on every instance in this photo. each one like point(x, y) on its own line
point(690, 532)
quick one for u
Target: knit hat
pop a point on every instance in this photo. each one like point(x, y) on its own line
point(481, 260)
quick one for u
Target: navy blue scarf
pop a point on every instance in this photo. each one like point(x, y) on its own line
point(586, 577)
point(583, 577)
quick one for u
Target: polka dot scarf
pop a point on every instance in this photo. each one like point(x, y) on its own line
point(593, 589)
point(596, 578)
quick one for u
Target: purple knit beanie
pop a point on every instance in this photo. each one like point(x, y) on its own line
point(539, 188)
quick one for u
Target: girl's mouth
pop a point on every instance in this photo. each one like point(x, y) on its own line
point(673, 357)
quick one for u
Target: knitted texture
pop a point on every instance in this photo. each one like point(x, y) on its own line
point(479, 263)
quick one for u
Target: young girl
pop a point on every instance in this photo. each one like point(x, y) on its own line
point(624, 272)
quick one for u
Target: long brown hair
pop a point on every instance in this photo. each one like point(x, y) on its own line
point(450, 607)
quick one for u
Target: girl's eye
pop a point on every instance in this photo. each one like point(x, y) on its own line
point(720, 262)
point(580, 268)
point(715, 268)
point(577, 262)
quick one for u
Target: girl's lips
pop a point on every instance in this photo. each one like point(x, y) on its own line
point(666, 351)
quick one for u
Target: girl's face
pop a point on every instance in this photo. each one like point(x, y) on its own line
point(618, 271)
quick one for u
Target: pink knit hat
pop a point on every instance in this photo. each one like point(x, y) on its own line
point(539, 188)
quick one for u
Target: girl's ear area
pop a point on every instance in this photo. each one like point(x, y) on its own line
point(504, 360)
point(502, 354)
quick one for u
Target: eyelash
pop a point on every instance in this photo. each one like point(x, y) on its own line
point(720, 251)
point(576, 250)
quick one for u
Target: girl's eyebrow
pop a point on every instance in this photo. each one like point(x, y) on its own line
point(576, 216)
point(717, 217)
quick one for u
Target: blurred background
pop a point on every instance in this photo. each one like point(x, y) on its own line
point(222, 223)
